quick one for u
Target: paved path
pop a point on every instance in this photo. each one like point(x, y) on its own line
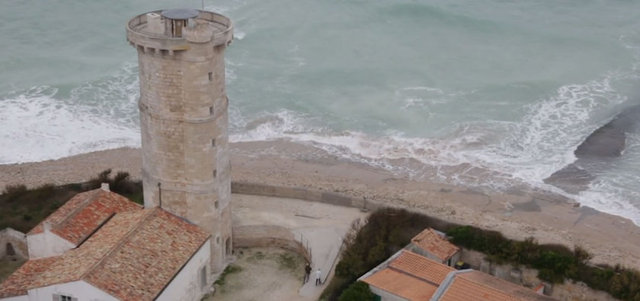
point(321, 226)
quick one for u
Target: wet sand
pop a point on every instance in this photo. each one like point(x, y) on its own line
point(518, 213)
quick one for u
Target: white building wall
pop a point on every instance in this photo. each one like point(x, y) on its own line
point(187, 284)
point(384, 295)
point(81, 290)
point(18, 241)
point(47, 244)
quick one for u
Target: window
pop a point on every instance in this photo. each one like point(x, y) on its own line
point(210, 76)
point(215, 173)
point(216, 204)
point(203, 277)
point(63, 298)
point(213, 142)
point(211, 110)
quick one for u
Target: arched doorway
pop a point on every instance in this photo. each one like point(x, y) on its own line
point(10, 251)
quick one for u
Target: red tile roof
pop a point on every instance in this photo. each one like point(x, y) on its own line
point(463, 289)
point(84, 213)
point(512, 289)
point(401, 284)
point(132, 257)
point(410, 276)
point(415, 277)
point(421, 267)
point(430, 241)
point(18, 282)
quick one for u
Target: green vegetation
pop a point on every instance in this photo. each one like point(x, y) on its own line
point(385, 232)
point(554, 263)
point(22, 208)
point(8, 265)
point(230, 269)
point(388, 230)
point(288, 261)
point(358, 291)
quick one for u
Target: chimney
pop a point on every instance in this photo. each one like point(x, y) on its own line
point(46, 226)
point(105, 186)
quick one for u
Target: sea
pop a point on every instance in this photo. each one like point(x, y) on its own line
point(509, 87)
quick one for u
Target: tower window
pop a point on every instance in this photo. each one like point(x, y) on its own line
point(210, 76)
point(216, 204)
point(215, 173)
point(213, 142)
point(218, 239)
point(211, 110)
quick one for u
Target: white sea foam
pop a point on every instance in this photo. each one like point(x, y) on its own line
point(38, 126)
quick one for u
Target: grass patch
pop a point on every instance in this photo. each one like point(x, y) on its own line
point(8, 265)
point(230, 269)
point(288, 261)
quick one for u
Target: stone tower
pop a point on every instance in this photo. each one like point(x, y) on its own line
point(183, 118)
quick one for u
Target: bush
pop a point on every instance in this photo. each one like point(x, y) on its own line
point(358, 291)
point(554, 263)
point(22, 208)
point(385, 232)
point(388, 230)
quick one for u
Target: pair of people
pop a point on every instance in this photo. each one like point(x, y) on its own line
point(318, 274)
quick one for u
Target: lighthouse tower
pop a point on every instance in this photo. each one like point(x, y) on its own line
point(183, 118)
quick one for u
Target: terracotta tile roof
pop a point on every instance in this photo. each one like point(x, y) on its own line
point(18, 282)
point(430, 241)
point(84, 213)
point(505, 286)
point(401, 284)
point(153, 254)
point(421, 267)
point(463, 289)
point(132, 257)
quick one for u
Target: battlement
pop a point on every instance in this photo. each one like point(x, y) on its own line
point(175, 29)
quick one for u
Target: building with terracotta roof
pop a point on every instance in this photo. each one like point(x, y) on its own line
point(75, 221)
point(101, 246)
point(133, 254)
point(433, 244)
point(407, 276)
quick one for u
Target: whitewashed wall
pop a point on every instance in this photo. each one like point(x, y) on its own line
point(186, 285)
point(18, 241)
point(47, 244)
point(384, 295)
point(81, 290)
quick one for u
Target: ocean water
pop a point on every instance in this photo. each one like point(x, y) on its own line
point(510, 87)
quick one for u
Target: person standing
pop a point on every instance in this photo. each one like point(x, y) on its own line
point(307, 272)
point(318, 277)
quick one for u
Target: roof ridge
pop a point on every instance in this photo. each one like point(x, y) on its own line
point(118, 244)
point(76, 211)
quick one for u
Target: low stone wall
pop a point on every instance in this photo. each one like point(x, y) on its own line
point(302, 194)
point(268, 236)
point(13, 241)
point(569, 290)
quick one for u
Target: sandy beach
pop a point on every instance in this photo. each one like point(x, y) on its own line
point(518, 213)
